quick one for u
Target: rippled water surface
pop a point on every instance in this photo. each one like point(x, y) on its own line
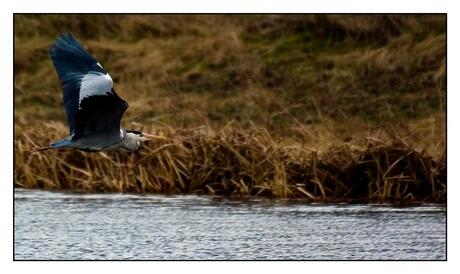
point(53, 225)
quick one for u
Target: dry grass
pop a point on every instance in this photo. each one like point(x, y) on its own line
point(236, 162)
point(284, 73)
point(308, 96)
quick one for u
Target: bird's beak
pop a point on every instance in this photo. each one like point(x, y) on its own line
point(147, 136)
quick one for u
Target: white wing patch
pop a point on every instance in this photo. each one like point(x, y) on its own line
point(94, 84)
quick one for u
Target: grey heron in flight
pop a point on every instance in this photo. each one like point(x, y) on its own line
point(92, 106)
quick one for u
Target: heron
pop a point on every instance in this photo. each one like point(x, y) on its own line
point(92, 107)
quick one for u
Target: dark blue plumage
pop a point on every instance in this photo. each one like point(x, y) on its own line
point(80, 73)
point(72, 63)
point(93, 108)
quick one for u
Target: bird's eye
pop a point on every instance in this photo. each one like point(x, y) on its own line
point(135, 132)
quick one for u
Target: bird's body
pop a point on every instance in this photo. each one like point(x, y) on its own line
point(126, 141)
point(93, 108)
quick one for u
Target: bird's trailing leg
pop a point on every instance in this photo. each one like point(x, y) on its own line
point(39, 149)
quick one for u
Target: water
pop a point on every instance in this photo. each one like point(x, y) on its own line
point(53, 225)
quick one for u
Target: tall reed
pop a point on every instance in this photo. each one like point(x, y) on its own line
point(236, 162)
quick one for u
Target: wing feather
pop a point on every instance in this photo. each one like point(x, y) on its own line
point(90, 103)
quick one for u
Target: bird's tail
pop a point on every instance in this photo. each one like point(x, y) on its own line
point(59, 144)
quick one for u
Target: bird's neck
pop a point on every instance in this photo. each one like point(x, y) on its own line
point(130, 141)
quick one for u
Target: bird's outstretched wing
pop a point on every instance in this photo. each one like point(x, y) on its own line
point(90, 103)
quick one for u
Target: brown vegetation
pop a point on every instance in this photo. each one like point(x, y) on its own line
point(238, 163)
point(308, 96)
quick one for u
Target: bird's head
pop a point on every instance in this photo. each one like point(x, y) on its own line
point(142, 136)
point(133, 138)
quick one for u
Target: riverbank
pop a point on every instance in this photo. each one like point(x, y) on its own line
point(333, 108)
point(237, 163)
point(301, 77)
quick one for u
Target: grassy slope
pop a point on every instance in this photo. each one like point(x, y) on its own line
point(317, 84)
point(311, 78)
